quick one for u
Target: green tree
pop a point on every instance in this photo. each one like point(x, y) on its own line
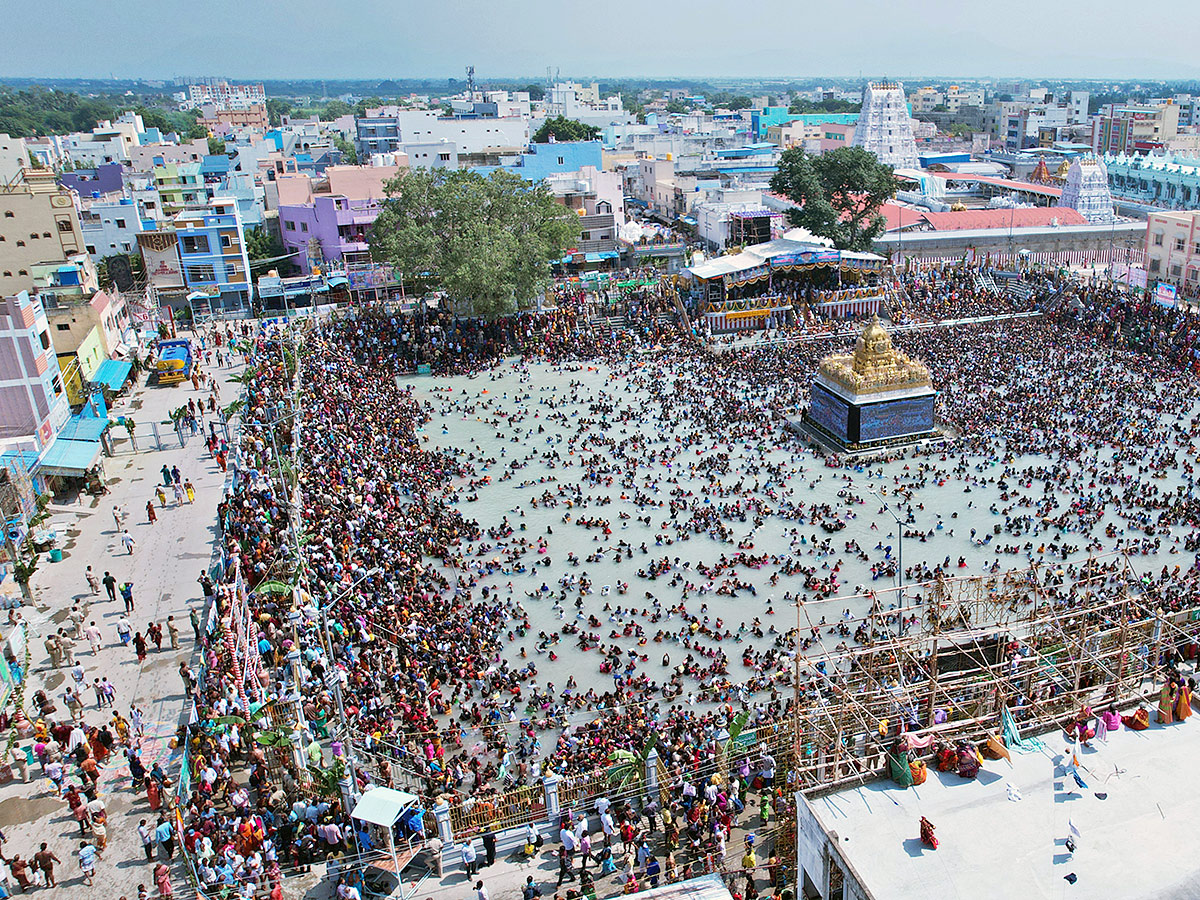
point(677, 106)
point(277, 108)
point(196, 132)
point(335, 109)
point(349, 153)
point(563, 129)
point(486, 240)
point(801, 107)
point(262, 244)
point(216, 146)
point(535, 91)
point(838, 194)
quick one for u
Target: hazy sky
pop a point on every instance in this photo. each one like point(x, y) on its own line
point(437, 38)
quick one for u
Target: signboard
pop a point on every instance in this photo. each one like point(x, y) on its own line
point(160, 251)
point(424, 369)
point(1164, 294)
point(805, 258)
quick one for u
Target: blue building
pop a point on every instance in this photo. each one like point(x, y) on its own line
point(212, 251)
point(544, 160)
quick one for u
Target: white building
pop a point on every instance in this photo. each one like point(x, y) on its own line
point(224, 95)
point(14, 156)
point(884, 126)
point(110, 228)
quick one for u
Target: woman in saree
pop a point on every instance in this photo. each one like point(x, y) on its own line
point(1183, 703)
point(1167, 698)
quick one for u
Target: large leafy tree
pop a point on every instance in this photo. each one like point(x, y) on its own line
point(563, 129)
point(838, 194)
point(486, 240)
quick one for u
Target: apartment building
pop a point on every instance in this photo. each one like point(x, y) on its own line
point(212, 251)
point(1173, 249)
point(33, 399)
point(39, 223)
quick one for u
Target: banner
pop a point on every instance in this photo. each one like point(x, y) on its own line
point(160, 252)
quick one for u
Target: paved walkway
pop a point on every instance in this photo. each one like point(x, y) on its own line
point(164, 568)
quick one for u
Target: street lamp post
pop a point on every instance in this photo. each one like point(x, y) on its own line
point(900, 551)
point(351, 765)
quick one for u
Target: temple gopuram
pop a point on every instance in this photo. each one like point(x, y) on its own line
point(874, 398)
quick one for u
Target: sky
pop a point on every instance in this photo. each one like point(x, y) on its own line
point(257, 39)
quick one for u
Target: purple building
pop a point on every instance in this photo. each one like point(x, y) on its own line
point(335, 211)
point(104, 179)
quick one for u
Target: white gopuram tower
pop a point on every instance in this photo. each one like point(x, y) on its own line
point(1086, 190)
point(884, 127)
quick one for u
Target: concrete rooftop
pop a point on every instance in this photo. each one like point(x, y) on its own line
point(1137, 843)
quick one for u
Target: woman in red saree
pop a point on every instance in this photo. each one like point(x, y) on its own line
point(927, 836)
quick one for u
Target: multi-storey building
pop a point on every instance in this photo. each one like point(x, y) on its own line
point(39, 222)
point(212, 251)
point(327, 220)
point(224, 95)
point(1173, 249)
point(180, 185)
point(111, 227)
point(33, 399)
point(1132, 128)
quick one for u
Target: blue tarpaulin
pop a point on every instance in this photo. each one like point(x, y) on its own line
point(113, 373)
point(83, 429)
point(67, 457)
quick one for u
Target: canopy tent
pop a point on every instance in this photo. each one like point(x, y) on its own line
point(113, 374)
point(385, 807)
point(68, 457)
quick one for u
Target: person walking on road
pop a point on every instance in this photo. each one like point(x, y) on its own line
point(118, 517)
point(92, 580)
point(110, 586)
point(124, 631)
point(139, 647)
point(45, 859)
point(94, 636)
point(128, 542)
point(127, 596)
point(87, 861)
point(151, 515)
point(173, 632)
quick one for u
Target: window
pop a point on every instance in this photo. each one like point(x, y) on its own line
point(90, 249)
point(560, 160)
point(63, 326)
point(200, 273)
point(46, 234)
point(226, 241)
point(64, 226)
point(304, 226)
point(45, 335)
point(290, 226)
point(1191, 274)
point(20, 243)
point(444, 157)
point(1155, 265)
point(195, 243)
point(1178, 243)
point(58, 386)
point(120, 223)
point(1158, 239)
point(33, 236)
point(8, 214)
point(1175, 270)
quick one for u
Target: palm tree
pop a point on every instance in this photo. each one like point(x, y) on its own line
point(628, 769)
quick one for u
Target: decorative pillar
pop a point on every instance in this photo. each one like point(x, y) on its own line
point(441, 812)
point(652, 787)
point(553, 808)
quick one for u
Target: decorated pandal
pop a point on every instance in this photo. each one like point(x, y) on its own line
point(768, 285)
point(872, 398)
